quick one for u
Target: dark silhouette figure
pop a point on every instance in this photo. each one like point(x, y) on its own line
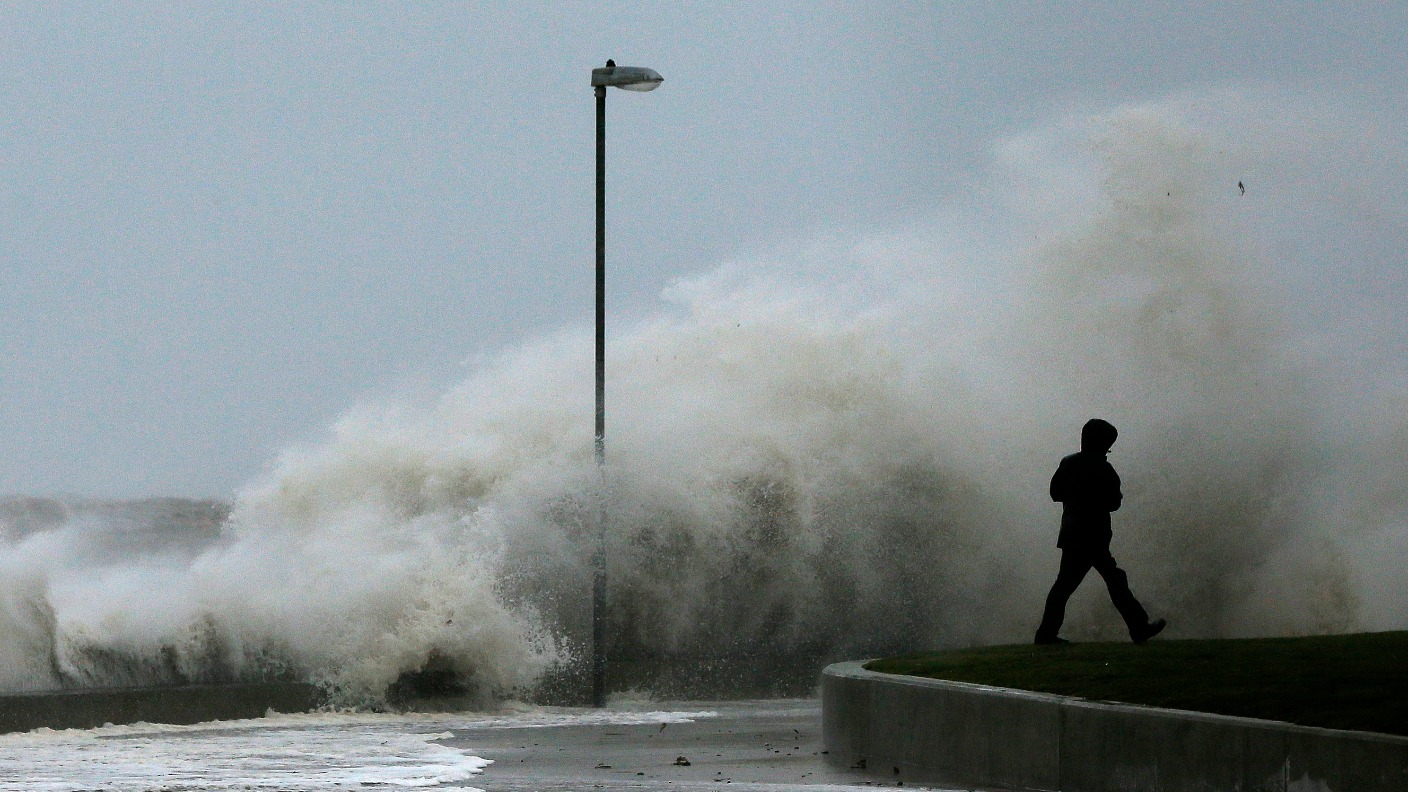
point(1089, 488)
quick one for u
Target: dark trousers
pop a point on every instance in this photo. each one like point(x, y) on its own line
point(1074, 565)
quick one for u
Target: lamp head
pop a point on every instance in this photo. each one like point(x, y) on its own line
point(631, 78)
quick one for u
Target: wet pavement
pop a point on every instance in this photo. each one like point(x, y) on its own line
point(772, 745)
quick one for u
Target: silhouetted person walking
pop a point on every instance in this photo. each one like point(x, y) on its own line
point(1089, 488)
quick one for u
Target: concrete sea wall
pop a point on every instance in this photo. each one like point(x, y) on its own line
point(916, 729)
point(84, 709)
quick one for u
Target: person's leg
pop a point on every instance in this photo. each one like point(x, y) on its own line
point(1073, 569)
point(1135, 617)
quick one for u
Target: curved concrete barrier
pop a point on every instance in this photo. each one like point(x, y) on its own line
point(933, 730)
point(85, 709)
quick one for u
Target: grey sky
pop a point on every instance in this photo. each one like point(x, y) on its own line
point(222, 225)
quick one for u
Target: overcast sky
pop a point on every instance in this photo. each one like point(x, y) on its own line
point(223, 225)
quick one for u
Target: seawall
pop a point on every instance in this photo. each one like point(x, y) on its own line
point(929, 730)
point(84, 709)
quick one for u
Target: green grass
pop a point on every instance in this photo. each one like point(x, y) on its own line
point(1355, 681)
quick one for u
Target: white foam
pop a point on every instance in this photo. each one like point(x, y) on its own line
point(290, 754)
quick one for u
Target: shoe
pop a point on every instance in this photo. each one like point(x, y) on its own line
point(1052, 641)
point(1149, 630)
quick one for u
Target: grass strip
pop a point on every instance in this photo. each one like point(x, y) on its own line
point(1357, 681)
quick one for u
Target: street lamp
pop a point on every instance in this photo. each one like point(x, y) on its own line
point(631, 78)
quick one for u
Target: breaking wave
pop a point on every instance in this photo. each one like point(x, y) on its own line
point(833, 450)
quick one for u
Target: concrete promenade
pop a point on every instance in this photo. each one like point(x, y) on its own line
point(85, 709)
point(953, 732)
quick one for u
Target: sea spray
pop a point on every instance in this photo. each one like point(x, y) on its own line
point(1151, 311)
point(839, 450)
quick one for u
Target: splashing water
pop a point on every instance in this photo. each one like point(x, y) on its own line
point(842, 450)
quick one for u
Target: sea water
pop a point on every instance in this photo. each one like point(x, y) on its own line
point(287, 753)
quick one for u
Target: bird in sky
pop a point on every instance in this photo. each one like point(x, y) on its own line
point(1242, 187)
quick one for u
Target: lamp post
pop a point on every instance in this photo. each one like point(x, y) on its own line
point(631, 78)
